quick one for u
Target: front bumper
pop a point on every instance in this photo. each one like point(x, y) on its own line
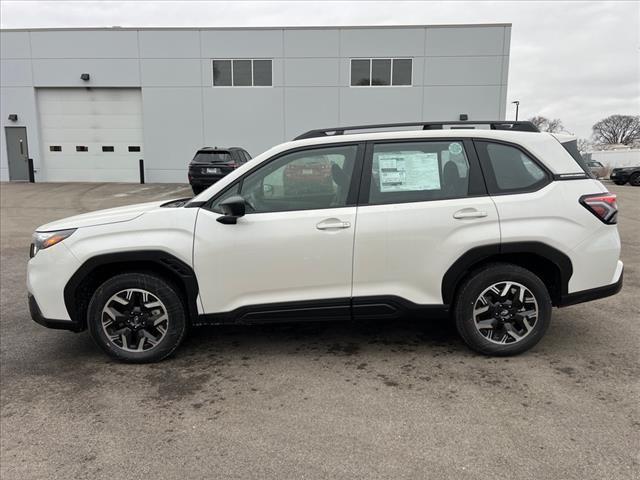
point(591, 294)
point(36, 315)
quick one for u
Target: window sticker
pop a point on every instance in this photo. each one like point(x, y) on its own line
point(408, 171)
point(455, 148)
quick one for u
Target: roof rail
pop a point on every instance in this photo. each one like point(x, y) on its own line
point(520, 126)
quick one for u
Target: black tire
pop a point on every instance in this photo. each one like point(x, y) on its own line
point(635, 179)
point(160, 288)
point(619, 182)
point(470, 292)
point(197, 189)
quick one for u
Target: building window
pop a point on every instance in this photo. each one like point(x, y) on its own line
point(242, 73)
point(55, 148)
point(82, 148)
point(381, 72)
point(107, 148)
point(134, 148)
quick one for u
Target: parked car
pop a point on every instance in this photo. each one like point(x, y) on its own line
point(620, 176)
point(211, 164)
point(597, 169)
point(490, 227)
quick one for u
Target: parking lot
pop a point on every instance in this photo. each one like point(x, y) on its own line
point(395, 399)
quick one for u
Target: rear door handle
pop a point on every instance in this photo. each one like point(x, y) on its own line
point(469, 213)
point(332, 223)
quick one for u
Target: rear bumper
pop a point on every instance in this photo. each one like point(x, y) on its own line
point(205, 180)
point(591, 294)
point(36, 315)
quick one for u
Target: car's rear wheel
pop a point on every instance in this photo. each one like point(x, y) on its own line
point(137, 317)
point(502, 309)
point(197, 189)
point(619, 182)
point(635, 180)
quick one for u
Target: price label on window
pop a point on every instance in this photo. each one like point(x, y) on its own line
point(408, 171)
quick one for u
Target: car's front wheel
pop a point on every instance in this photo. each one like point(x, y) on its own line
point(502, 309)
point(137, 317)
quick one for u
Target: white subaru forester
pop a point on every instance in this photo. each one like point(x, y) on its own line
point(490, 223)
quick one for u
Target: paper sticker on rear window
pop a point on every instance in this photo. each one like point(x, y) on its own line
point(408, 171)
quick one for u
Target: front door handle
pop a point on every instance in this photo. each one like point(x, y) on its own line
point(469, 213)
point(332, 223)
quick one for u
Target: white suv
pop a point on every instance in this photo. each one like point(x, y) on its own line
point(490, 226)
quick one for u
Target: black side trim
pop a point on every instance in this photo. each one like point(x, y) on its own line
point(591, 294)
point(173, 266)
point(332, 309)
point(391, 306)
point(299, 311)
point(36, 315)
point(466, 262)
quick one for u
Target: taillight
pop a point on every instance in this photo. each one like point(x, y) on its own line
point(602, 205)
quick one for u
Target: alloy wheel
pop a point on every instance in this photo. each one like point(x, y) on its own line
point(135, 320)
point(505, 313)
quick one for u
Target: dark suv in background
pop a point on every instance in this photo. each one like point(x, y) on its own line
point(210, 164)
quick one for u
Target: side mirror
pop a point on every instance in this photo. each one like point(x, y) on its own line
point(233, 208)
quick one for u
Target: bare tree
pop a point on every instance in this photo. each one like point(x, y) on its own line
point(584, 145)
point(545, 124)
point(539, 122)
point(554, 126)
point(617, 130)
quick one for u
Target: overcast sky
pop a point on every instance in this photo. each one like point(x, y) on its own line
point(577, 61)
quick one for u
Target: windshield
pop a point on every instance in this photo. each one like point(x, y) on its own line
point(211, 157)
point(572, 148)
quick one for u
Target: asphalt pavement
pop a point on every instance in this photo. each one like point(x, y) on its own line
point(395, 399)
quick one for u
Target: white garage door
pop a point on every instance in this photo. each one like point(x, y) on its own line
point(90, 134)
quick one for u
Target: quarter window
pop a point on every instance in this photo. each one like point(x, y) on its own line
point(306, 180)
point(375, 72)
point(418, 171)
point(509, 169)
point(242, 73)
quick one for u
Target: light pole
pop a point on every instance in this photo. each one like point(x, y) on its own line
point(517, 102)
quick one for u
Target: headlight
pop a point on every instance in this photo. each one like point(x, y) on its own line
point(42, 240)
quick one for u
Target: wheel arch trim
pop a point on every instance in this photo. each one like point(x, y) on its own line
point(474, 257)
point(165, 262)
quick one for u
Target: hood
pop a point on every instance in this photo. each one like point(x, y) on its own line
point(101, 217)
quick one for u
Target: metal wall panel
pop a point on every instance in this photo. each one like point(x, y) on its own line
point(306, 43)
point(464, 41)
point(113, 72)
point(174, 72)
point(310, 107)
point(464, 71)
point(447, 103)
point(172, 119)
point(252, 118)
point(311, 72)
point(14, 45)
point(15, 73)
point(241, 43)
point(169, 43)
point(84, 44)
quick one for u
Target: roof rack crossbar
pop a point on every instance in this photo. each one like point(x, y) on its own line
point(520, 126)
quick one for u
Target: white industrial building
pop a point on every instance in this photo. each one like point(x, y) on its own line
point(87, 104)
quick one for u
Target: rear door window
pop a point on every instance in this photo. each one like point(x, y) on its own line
point(403, 172)
point(510, 170)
